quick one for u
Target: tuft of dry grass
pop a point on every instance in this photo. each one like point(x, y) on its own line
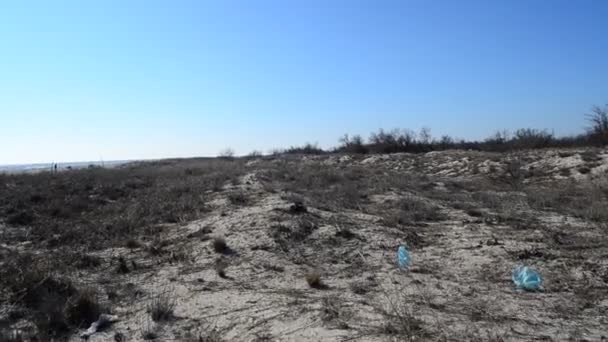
point(149, 331)
point(220, 245)
point(313, 278)
point(210, 335)
point(132, 243)
point(122, 267)
point(161, 307)
point(334, 312)
point(220, 268)
point(83, 308)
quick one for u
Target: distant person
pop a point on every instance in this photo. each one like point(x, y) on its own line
point(55, 167)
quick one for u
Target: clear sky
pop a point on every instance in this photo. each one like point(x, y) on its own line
point(128, 79)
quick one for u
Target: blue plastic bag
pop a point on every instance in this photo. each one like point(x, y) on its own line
point(526, 278)
point(403, 257)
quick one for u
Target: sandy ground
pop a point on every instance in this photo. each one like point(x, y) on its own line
point(457, 288)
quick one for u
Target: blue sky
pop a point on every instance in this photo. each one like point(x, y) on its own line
point(90, 80)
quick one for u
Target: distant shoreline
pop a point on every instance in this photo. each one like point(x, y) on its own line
point(39, 167)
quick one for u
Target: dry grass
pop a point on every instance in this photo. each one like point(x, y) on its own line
point(102, 207)
point(220, 245)
point(238, 198)
point(400, 318)
point(334, 312)
point(313, 279)
point(161, 306)
point(220, 268)
point(410, 209)
point(83, 308)
point(343, 217)
point(149, 331)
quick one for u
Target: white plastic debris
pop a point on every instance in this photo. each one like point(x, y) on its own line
point(103, 321)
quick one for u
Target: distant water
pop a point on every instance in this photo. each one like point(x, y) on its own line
point(18, 168)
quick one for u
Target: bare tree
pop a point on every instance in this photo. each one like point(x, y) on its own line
point(425, 135)
point(227, 153)
point(598, 118)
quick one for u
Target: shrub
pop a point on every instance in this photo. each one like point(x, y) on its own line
point(529, 138)
point(352, 145)
point(305, 149)
point(598, 132)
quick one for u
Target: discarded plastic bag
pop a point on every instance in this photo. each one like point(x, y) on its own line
point(403, 257)
point(526, 278)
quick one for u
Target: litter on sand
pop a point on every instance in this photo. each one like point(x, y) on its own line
point(103, 321)
point(526, 278)
point(403, 257)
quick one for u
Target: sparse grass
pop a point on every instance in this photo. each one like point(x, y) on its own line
point(334, 312)
point(238, 198)
point(162, 305)
point(287, 237)
point(209, 335)
point(56, 230)
point(360, 287)
point(587, 201)
point(206, 333)
point(101, 207)
point(327, 187)
point(400, 318)
point(410, 209)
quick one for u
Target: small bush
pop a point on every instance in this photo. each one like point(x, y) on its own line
point(306, 149)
